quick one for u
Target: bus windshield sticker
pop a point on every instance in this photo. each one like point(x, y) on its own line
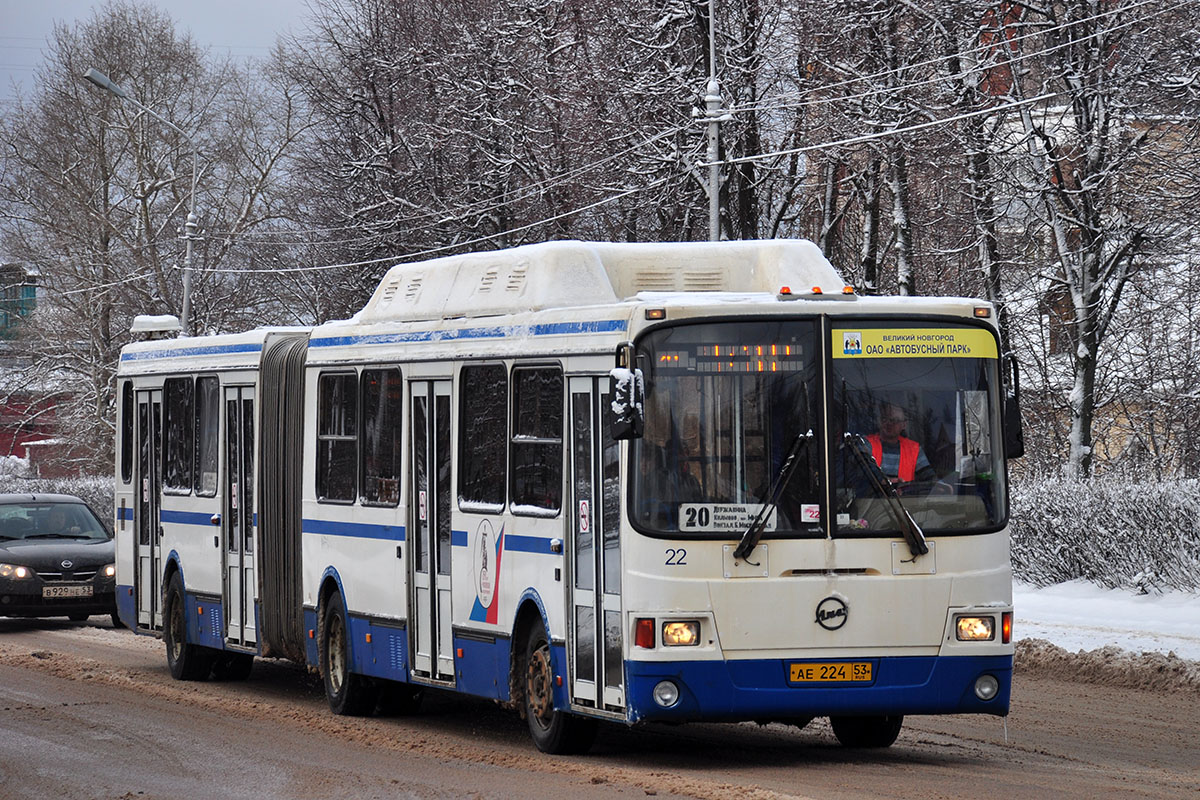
point(722, 517)
point(914, 343)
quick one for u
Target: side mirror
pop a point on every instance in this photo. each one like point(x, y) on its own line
point(626, 391)
point(1014, 437)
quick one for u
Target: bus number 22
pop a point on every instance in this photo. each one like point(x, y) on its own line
point(676, 558)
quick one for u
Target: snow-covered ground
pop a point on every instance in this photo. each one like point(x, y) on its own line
point(1082, 616)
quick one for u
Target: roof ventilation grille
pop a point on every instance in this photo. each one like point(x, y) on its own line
point(655, 280)
point(516, 278)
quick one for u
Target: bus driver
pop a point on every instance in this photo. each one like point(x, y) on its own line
point(900, 458)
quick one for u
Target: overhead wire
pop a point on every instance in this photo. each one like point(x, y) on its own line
point(785, 103)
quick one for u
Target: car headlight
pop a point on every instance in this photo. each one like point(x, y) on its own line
point(681, 634)
point(109, 571)
point(14, 571)
point(974, 629)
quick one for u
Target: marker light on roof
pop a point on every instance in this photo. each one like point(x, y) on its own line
point(816, 290)
point(983, 312)
point(656, 313)
point(847, 290)
point(785, 290)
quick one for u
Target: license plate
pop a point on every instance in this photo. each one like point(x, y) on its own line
point(49, 592)
point(832, 672)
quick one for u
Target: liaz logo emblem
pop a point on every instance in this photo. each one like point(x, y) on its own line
point(831, 613)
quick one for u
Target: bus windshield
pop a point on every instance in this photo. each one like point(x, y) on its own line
point(917, 408)
point(726, 404)
point(736, 433)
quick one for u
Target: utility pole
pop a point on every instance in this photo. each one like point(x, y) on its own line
point(715, 114)
point(98, 78)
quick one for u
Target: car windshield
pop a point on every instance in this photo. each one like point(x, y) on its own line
point(919, 404)
point(49, 521)
point(726, 404)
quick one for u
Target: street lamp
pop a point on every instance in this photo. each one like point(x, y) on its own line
point(189, 228)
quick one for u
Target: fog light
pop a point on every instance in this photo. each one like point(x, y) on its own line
point(684, 634)
point(986, 687)
point(666, 694)
point(974, 629)
point(110, 570)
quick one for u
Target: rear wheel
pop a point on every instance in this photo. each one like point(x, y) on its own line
point(348, 694)
point(116, 620)
point(867, 731)
point(188, 662)
point(553, 731)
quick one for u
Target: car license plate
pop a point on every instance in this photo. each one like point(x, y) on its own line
point(831, 672)
point(50, 592)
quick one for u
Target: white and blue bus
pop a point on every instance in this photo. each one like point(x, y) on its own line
point(626, 482)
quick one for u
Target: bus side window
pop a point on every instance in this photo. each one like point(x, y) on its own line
point(537, 440)
point(126, 431)
point(337, 437)
point(208, 423)
point(483, 437)
point(179, 434)
point(382, 405)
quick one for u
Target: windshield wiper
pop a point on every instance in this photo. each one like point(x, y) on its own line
point(908, 526)
point(755, 531)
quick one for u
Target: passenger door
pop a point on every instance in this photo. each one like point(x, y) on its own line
point(148, 509)
point(596, 641)
point(238, 529)
point(429, 555)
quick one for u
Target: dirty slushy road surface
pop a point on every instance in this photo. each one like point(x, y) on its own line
point(92, 712)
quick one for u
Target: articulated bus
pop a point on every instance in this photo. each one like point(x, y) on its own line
point(590, 481)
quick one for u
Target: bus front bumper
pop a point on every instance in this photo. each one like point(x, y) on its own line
point(763, 690)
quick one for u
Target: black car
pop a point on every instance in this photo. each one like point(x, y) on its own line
point(56, 558)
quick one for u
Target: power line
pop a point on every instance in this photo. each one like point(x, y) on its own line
point(785, 103)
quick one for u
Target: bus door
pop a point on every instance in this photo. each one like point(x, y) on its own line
point(237, 528)
point(148, 509)
point(596, 651)
point(429, 526)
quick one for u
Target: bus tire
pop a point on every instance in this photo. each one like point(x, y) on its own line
point(867, 731)
point(232, 666)
point(187, 662)
point(348, 694)
point(553, 731)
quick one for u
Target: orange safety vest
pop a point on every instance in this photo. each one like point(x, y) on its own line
point(908, 455)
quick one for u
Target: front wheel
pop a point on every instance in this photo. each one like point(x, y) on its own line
point(866, 731)
point(187, 662)
point(348, 694)
point(555, 732)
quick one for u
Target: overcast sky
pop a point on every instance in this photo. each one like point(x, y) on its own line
point(241, 28)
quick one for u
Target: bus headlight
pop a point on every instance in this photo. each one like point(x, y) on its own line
point(681, 634)
point(974, 629)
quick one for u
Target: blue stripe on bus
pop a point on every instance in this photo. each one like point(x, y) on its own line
point(125, 513)
point(489, 332)
point(458, 538)
point(185, 517)
point(199, 350)
point(181, 517)
point(527, 544)
point(362, 530)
